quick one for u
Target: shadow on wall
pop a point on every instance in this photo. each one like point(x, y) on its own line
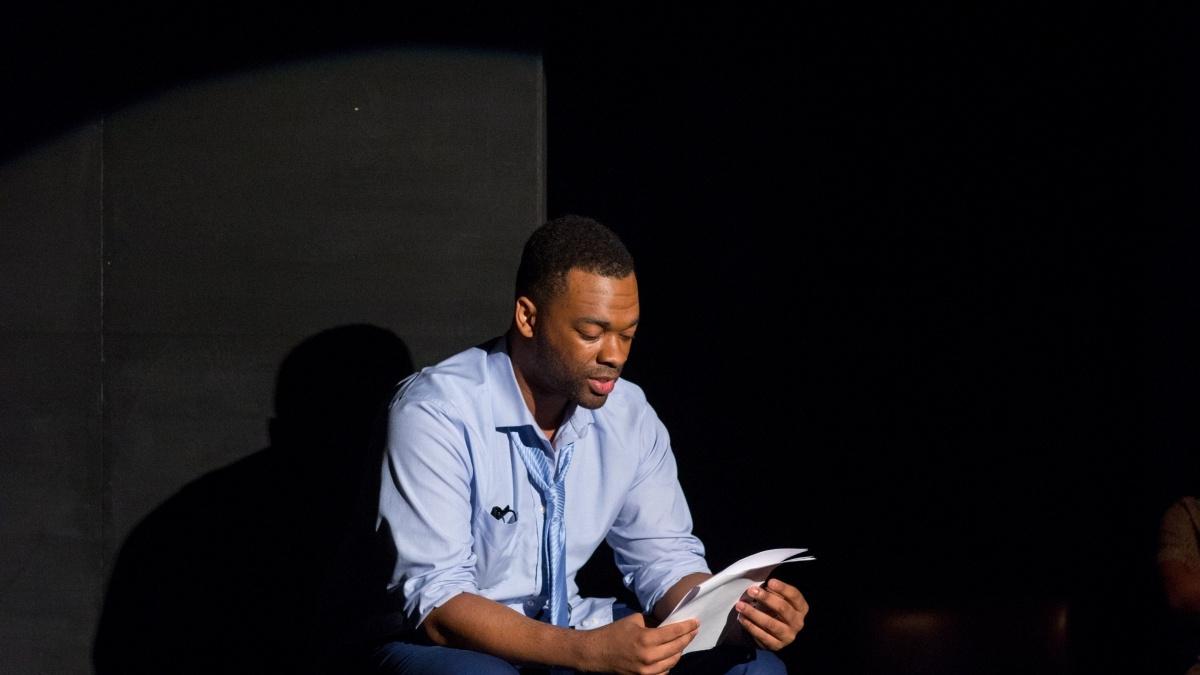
point(264, 565)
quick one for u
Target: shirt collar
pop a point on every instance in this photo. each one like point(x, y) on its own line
point(508, 405)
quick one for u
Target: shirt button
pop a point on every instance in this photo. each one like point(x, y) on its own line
point(542, 508)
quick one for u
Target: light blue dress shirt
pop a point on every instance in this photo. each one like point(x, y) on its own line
point(452, 457)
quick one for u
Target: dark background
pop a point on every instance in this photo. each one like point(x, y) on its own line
point(917, 285)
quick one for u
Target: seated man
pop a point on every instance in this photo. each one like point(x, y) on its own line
point(509, 463)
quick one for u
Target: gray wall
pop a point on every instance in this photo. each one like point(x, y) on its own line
point(159, 263)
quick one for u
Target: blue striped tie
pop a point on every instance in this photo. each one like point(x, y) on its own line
point(554, 496)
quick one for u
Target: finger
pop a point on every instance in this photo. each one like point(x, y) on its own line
point(762, 637)
point(674, 646)
point(773, 603)
point(657, 667)
point(793, 595)
point(672, 631)
point(767, 622)
point(670, 652)
point(664, 665)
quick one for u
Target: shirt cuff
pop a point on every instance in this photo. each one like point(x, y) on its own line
point(423, 602)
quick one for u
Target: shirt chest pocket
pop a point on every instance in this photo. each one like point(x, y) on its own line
point(501, 548)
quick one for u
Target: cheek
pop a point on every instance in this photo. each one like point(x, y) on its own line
point(579, 358)
point(568, 355)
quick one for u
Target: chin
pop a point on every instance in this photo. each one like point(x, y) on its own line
point(590, 401)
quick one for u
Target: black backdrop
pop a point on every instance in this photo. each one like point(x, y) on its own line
point(917, 293)
point(917, 286)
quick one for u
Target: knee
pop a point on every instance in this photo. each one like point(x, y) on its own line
point(765, 663)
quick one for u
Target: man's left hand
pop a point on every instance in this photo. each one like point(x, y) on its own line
point(773, 615)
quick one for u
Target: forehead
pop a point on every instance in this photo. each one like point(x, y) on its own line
point(598, 296)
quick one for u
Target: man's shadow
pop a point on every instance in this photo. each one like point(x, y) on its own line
point(266, 565)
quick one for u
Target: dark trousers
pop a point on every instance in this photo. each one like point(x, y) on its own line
point(413, 658)
point(403, 658)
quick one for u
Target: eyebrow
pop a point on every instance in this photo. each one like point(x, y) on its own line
point(606, 324)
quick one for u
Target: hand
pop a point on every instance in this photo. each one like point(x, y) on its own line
point(773, 615)
point(628, 646)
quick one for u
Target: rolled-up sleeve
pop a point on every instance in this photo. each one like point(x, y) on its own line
point(425, 502)
point(652, 536)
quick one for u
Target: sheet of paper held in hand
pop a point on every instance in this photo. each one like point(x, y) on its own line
point(712, 601)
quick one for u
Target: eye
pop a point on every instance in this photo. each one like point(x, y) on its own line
point(626, 338)
point(588, 337)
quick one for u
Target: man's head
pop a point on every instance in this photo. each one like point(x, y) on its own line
point(566, 243)
point(577, 308)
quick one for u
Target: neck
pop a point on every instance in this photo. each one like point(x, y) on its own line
point(547, 409)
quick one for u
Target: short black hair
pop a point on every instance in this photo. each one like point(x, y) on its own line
point(564, 244)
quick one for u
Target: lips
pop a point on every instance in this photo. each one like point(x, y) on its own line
point(602, 386)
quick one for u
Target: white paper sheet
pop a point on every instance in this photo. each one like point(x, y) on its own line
point(712, 601)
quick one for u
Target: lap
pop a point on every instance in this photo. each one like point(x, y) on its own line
point(730, 661)
point(403, 658)
point(406, 658)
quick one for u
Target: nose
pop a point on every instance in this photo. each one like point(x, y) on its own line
point(613, 351)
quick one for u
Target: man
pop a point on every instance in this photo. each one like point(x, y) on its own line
point(506, 465)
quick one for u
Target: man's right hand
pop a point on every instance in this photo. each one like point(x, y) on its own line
point(628, 646)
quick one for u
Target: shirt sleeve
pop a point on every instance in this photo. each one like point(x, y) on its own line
point(425, 505)
point(652, 536)
point(1177, 535)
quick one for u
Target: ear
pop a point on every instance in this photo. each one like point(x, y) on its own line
point(525, 315)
